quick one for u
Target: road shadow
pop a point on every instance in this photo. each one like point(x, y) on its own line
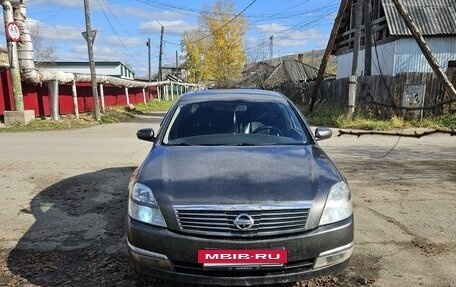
point(78, 237)
point(147, 118)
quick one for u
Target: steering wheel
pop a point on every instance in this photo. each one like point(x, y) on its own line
point(271, 130)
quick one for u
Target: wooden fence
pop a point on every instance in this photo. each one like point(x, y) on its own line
point(379, 95)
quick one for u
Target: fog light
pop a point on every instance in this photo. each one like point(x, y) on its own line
point(334, 256)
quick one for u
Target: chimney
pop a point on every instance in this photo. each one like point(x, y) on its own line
point(301, 58)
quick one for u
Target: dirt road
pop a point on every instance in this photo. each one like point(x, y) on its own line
point(63, 202)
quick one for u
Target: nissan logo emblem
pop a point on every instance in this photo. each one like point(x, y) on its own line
point(244, 221)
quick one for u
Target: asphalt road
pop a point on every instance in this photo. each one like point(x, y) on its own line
point(63, 202)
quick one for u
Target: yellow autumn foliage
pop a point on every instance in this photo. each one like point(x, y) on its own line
point(215, 51)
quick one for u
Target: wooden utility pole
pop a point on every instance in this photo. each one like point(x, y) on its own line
point(93, 74)
point(367, 37)
point(425, 48)
point(148, 53)
point(329, 48)
point(160, 55)
point(271, 47)
point(177, 65)
point(356, 43)
point(15, 70)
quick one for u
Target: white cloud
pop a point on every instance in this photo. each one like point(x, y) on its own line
point(309, 39)
point(272, 28)
point(176, 27)
point(101, 53)
point(129, 42)
point(57, 32)
point(160, 15)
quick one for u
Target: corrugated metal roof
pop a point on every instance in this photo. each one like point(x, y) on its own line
point(294, 71)
point(433, 17)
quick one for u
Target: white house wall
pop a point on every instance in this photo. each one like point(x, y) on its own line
point(383, 59)
point(401, 56)
point(381, 65)
point(409, 57)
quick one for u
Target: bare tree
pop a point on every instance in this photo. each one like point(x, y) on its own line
point(42, 53)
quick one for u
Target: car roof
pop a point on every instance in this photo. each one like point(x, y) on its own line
point(233, 94)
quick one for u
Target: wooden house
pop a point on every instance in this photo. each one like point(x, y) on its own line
point(394, 51)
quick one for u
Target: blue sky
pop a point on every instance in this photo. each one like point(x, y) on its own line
point(125, 25)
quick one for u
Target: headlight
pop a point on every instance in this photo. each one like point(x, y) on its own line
point(143, 207)
point(338, 204)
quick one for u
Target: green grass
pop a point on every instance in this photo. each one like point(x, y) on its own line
point(334, 117)
point(117, 115)
point(47, 125)
point(111, 115)
point(154, 106)
point(323, 116)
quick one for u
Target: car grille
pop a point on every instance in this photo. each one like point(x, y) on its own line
point(198, 269)
point(221, 220)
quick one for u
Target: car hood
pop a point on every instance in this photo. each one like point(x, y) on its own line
point(225, 175)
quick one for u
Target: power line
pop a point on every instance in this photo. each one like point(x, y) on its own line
point(57, 13)
point(114, 30)
point(226, 24)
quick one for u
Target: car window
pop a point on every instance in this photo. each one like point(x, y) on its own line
point(234, 123)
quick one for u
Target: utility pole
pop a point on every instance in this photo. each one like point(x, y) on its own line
point(271, 47)
point(148, 48)
point(14, 35)
point(367, 37)
point(161, 54)
point(90, 39)
point(353, 78)
point(177, 66)
point(358, 16)
point(425, 48)
point(12, 28)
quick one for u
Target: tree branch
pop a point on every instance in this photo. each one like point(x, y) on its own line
point(451, 132)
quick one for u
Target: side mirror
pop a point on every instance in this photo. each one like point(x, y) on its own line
point(323, 133)
point(146, 134)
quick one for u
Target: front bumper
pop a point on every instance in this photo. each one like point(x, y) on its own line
point(161, 253)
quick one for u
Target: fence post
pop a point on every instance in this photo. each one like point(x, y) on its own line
point(351, 95)
point(102, 98)
point(75, 99)
point(172, 91)
point(126, 95)
point(144, 96)
point(53, 87)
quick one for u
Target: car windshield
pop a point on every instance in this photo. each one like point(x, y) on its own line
point(240, 123)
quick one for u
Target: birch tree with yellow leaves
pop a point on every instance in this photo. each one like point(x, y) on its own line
point(215, 51)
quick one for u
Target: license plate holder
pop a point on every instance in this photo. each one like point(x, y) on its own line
point(242, 259)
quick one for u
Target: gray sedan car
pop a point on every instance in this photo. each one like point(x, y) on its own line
point(237, 191)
